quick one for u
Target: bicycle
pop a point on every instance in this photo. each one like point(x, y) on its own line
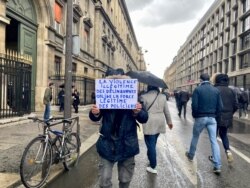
point(51, 147)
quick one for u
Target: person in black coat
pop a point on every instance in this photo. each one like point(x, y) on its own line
point(118, 140)
point(183, 99)
point(61, 100)
point(177, 100)
point(76, 100)
point(225, 118)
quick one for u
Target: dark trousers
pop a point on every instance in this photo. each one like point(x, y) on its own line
point(222, 131)
point(184, 105)
point(61, 106)
point(243, 109)
point(75, 107)
point(151, 141)
point(178, 105)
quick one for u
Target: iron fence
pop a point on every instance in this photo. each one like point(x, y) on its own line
point(15, 79)
point(85, 87)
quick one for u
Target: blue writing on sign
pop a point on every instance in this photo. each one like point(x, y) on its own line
point(116, 93)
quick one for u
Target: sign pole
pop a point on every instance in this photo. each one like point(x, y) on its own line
point(68, 61)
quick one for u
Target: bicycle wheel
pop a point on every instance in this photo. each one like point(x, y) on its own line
point(71, 150)
point(35, 163)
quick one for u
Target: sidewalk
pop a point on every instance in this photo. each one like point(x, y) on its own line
point(15, 133)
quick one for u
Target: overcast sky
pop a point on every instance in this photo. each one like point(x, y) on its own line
point(162, 26)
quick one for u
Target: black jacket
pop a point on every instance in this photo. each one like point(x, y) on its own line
point(184, 96)
point(118, 134)
point(206, 101)
point(229, 103)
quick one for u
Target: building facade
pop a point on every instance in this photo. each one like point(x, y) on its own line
point(220, 42)
point(103, 37)
point(170, 75)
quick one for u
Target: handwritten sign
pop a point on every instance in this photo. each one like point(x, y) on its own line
point(116, 93)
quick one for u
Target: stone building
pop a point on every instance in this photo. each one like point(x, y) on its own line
point(170, 75)
point(103, 37)
point(220, 42)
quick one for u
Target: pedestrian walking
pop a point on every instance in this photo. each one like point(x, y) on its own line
point(76, 100)
point(156, 105)
point(47, 98)
point(243, 103)
point(183, 98)
point(61, 100)
point(177, 99)
point(118, 140)
point(206, 105)
point(225, 119)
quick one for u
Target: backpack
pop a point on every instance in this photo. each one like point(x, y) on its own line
point(243, 97)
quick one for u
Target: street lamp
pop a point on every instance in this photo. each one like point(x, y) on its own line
point(141, 58)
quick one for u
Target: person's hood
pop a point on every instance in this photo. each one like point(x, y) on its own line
point(221, 79)
point(213, 77)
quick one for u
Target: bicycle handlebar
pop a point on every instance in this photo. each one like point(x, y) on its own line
point(48, 122)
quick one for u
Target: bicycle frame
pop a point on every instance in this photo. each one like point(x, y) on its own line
point(51, 147)
point(49, 139)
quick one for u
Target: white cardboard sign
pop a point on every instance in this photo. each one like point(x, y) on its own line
point(116, 93)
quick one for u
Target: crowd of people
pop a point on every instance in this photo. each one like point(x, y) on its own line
point(213, 106)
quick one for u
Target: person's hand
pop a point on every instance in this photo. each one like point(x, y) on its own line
point(170, 126)
point(138, 108)
point(95, 110)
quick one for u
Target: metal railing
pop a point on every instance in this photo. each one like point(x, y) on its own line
point(15, 84)
point(85, 87)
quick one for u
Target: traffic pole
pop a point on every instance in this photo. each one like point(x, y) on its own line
point(68, 61)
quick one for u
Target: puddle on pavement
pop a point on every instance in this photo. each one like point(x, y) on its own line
point(240, 128)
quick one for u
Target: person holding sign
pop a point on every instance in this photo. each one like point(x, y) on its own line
point(157, 107)
point(118, 141)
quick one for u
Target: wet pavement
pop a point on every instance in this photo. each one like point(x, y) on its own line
point(175, 170)
point(170, 173)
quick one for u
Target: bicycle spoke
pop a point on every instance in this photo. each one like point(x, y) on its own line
point(36, 162)
point(71, 151)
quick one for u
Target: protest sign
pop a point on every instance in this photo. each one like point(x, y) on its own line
point(116, 93)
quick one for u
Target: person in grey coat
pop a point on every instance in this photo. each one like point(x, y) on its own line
point(158, 114)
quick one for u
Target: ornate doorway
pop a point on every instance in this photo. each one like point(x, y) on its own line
point(21, 35)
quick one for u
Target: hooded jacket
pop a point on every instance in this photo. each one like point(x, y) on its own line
point(228, 99)
point(118, 133)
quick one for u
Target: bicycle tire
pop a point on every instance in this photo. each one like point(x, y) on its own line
point(33, 171)
point(71, 150)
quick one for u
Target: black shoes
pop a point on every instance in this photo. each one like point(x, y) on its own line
point(217, 171)
point(210, 158)
point(189, 158)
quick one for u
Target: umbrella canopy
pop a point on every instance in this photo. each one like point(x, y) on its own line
point(148, 78)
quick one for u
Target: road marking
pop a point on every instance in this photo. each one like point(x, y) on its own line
point(238, 152)
point(174, 147)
